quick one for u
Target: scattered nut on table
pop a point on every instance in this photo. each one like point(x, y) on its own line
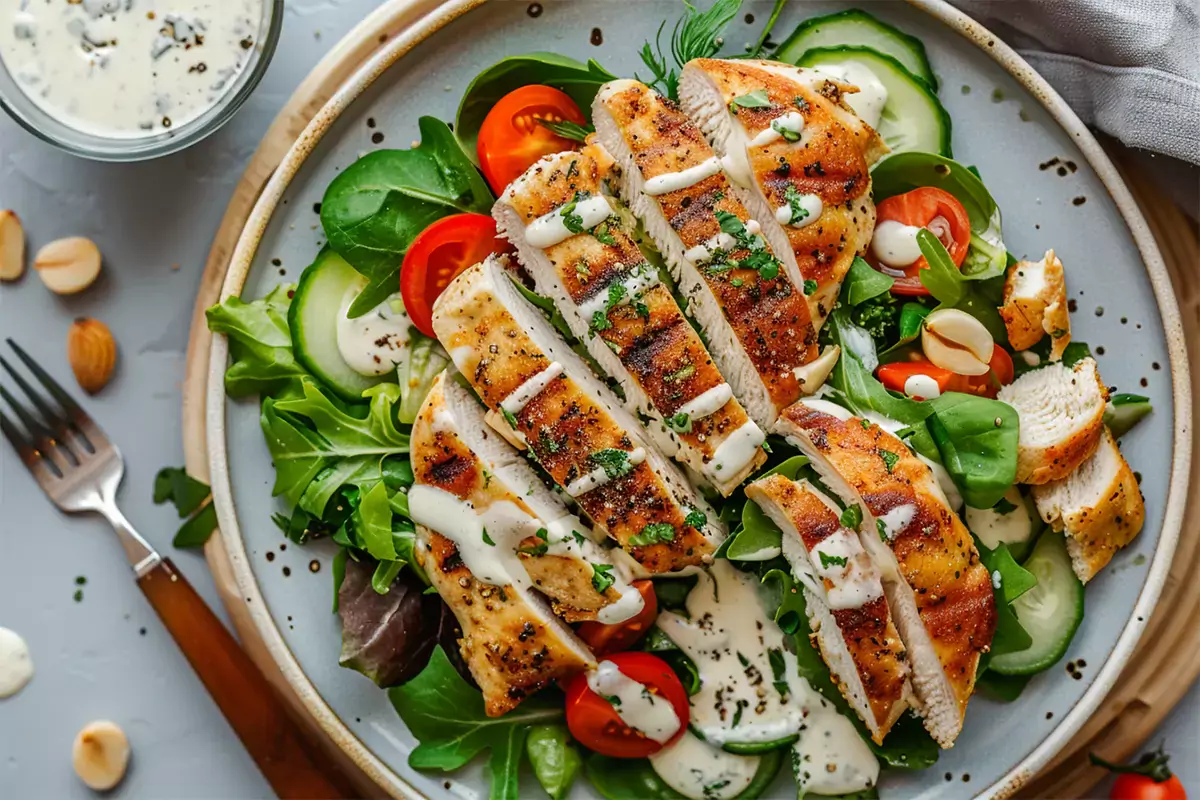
point(68, 265)
point(12, 246)
point(92, 353)
point(100, 755)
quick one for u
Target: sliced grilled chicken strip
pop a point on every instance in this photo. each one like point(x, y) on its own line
point(1035, 304)
point(939, 592)
point(614, 302)
point(844, 598)
point(798, 157)
point(512, 642)
point(572, 423)
point(754, 315)
point(454, 450)
point(1099, 505)
point(1062, 417)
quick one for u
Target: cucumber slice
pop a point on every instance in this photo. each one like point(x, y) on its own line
point(313, 318)
point(1050, 612)
point(857, 28)
point(913, 117)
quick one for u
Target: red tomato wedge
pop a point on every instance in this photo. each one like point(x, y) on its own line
point(594, 721)
point(438, 255)
point(605, 639)
point(511, 138)
point(939, 212)
point(895, 376)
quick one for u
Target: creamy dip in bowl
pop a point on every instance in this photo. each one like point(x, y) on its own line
point(125, 80)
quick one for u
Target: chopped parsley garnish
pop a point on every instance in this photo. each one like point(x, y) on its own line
point(548, 442)
point(758, 257)
point(654, 533)
point(579, 537)
point(890, 459)
point(615, 463)
point(736, 283)
point(581, 269)
point(642, 310)
point(572, 221)
point(681, 374)
point(1004, 507)
point(756, 99)
point(737, 715)
point(613, 700)
point(600, 321)
point(788, 134)
point(778, 671)
point(883, 531)
point(695, 519)
point(487, 539)
point(851, 518)
point(603, 233)
point(680, 423)
point(718, 196)
point(810, 287)
point(509, 417)
point(602, 577)
point(827, 560)
point(795, 201)
point(541, 547)
point(866, 423)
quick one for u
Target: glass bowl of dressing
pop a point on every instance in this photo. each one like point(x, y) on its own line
point(128, 80)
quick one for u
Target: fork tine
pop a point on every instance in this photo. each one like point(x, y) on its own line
point(52, 418)
point(17, 439)
point(37, 430)
point(42, 458)
point(57, 392)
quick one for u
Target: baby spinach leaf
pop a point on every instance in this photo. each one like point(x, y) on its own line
point(1014, 579)
point(977, 440)
point(903, 172)
point(1010, 635)
point(189, 497)
point(862, 283)
point(260, 343)
point(373, 210)
point(447, 718)
point(864, 393)
point(554, 757)
point(1005, 688)
point(579, 80)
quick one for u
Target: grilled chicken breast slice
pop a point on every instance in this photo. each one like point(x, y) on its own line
point(753, 313)
point(572, 423)
point(614, 302)
point(454, 450)
point(844, 598)
point(1099, 506)
point(939, 592)
point(799, 163)
point(1062, 418)
point(1035, 304)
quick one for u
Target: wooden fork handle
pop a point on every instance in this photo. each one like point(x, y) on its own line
point(293, 767)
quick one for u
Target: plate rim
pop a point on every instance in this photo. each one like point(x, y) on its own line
point(435, 15)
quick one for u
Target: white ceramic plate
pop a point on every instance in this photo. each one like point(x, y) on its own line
point(1007, 122)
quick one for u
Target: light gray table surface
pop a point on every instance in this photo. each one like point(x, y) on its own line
point(106, 656)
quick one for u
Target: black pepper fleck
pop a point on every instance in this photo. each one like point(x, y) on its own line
point(534, 10)
point(377, 137)
point(597, 37)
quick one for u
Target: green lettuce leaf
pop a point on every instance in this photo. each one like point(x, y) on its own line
point(554, 757)
point(260, 343)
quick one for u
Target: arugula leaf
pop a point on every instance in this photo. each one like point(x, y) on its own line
point(654, 533)
point(447, 718)
point(190, 498)
point(567, 129)
point(977, 440)
point(260, 343)
point(554, 757)
point(374, 209)
point(579, 80)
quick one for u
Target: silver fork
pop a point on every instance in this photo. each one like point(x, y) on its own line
point(79, 469)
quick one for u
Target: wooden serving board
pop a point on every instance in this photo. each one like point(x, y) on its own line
point(1160, 672)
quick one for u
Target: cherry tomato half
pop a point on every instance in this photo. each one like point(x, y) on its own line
point(511, 138)
point(595, 723)
point(438, 255)
point(939, 212)
point(605, 639)
point(1143, 787)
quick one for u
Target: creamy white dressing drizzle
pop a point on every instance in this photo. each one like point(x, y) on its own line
point(124, 70)
point(994, 528)
point(789, 125)
point(696, 769)
point(531, 388)
point(638, 281)
point(829, 407)
point(550, 229)
point(897, 520)
point(634, 703)
point(599, 476)
point(810, 206)
point(708, 402)
point(736, 451)
point(16, 666)
point(831, 758)
point(872, 95)
point(502, 523)
point(922, 387)
point(703, 253)
point(376, 342)
point(674, 181)
point(895, 244)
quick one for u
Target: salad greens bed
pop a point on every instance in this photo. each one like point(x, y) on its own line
point(342, 463)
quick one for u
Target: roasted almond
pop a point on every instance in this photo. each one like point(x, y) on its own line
point(12, 246)
point(68, 265)
point(92, 353)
